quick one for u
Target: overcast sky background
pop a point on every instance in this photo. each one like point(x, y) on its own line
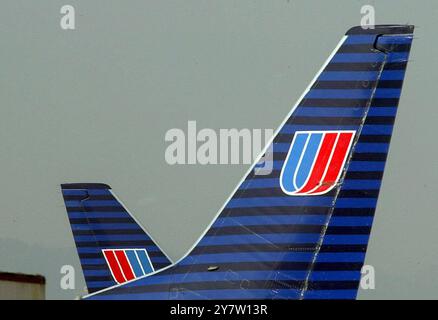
point(94, 104)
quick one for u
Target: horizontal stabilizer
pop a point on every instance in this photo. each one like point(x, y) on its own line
point(113, 248)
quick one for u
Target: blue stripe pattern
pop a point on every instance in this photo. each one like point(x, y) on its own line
point(99, 221)
point(269, 245)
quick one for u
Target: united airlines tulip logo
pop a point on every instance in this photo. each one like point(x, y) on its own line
point(127, 264)
point(315, 161)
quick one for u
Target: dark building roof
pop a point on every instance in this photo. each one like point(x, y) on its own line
point(21, 277)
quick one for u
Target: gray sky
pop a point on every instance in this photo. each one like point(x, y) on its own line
point(94, 104)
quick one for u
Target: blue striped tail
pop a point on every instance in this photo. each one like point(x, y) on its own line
point(301, 232)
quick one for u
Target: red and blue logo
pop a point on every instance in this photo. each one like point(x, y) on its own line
point(315, 161)
point(127, 264)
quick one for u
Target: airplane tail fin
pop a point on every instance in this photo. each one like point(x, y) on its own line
point(309, 221)
point(301, 231)
point(113, 248)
